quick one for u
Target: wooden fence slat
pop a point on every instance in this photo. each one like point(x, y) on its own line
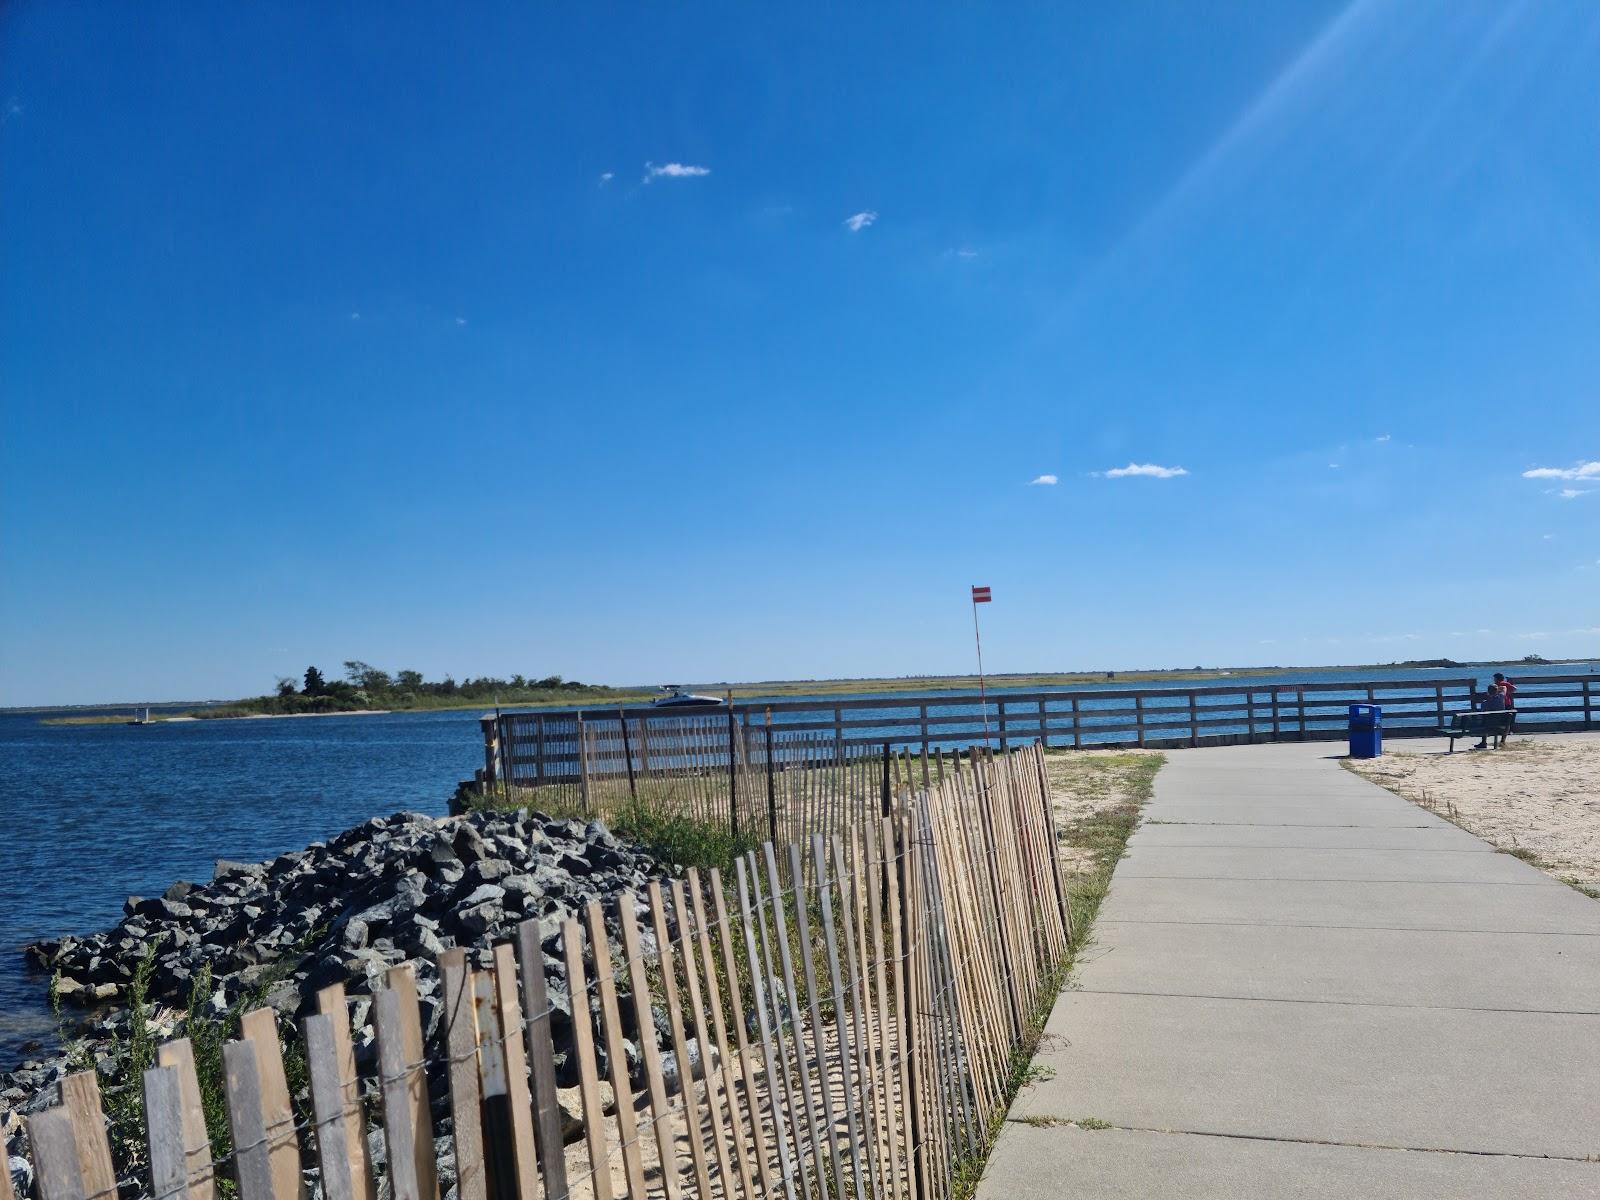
point(508, 1012)
point(55, 1155)
point(680, 1046)
point(850, 883)
point(466, 1098)
point(777, 1083)
point(616, 1055)
point(331, 1004)
point(874, 886)
point(6, 1191)
point(639, 986)
point(841, 1024)
point(338, 1173)
point(797, 1023)
point(594, 1117)
point(541, 1055)
point(407, 1120)
point(164, 1134)
point(702, 1032)
point(252, 1151)
point(178, 1054)
point(80, 1096)
point(494, 1085)
point(259, 1027)
point(730, 967)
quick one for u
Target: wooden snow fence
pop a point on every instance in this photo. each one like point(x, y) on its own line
point(834, 1019)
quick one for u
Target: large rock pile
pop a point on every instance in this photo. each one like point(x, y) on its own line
point(394, 889)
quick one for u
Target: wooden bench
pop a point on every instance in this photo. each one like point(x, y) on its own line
point(1481, 725)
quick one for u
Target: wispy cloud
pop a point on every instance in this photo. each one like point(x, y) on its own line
point(860, 221)
point(1043, 481)
point(461, 320)
point(1382, 437)
point(1574, 493)
point(606, 177)
point(673, 170)
point(1582, 470)
point(1149, 470)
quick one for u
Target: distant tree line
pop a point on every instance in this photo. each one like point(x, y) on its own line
point(365, 683)
point(367, 686)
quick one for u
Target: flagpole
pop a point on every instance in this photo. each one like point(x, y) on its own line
point(983, 700)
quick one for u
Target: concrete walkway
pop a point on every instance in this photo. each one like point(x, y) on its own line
point(1302, 985)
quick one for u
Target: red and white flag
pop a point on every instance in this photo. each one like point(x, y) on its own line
point(980, 595)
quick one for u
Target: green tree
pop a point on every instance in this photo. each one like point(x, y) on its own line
point(286, 685)
point(315, 684)
point(411, 681)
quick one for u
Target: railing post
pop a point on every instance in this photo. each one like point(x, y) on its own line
point(627, 755)
point(1300, 701)
point(1194, 722)
point(1438, 702)
point(1277, 724)
point(1044, 726)
point(733, 777)
point(1077, 725)
point(1588, 703)
point(838, 733)
point(923, 716)
point(1000, 706)
point(1138, 718)
point(772, 786)
point(583, 766)
point(1250, 714)
point(538, 755)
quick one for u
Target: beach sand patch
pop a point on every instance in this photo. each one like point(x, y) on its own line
point(1539, 799)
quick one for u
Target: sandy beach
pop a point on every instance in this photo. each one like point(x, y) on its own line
point(1538, 798)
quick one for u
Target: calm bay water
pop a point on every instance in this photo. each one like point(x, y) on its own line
point(92, 814)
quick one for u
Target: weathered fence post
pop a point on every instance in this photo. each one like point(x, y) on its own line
point(1000, 709)
point(1194, 722)
point(887, 798)
point(1077, 725)
point(1138, 716)
point(491, 747)
point(1044, 724)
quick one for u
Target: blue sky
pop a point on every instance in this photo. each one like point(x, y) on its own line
point(733, 342)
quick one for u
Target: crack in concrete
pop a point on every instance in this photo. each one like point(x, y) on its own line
point(1038, 1121)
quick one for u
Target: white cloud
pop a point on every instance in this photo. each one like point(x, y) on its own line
point(1333, 466)
point(673, 170)
point(1382, 437)
point(461, 320)
point(1547, 536)
point(1148, 469)
point(1583, 470)
point(1044, 480)
point(860, 221)
point(355, 316)
point(606, 177)
point(1572, 493)
point(964, 252)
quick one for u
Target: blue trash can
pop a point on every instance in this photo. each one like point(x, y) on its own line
point(1366, 731)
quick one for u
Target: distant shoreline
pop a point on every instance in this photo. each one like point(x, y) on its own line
point(785, 687)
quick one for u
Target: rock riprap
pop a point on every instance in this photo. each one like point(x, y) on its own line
point(395, 889)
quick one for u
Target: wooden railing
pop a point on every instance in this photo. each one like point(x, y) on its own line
point(545, 747)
